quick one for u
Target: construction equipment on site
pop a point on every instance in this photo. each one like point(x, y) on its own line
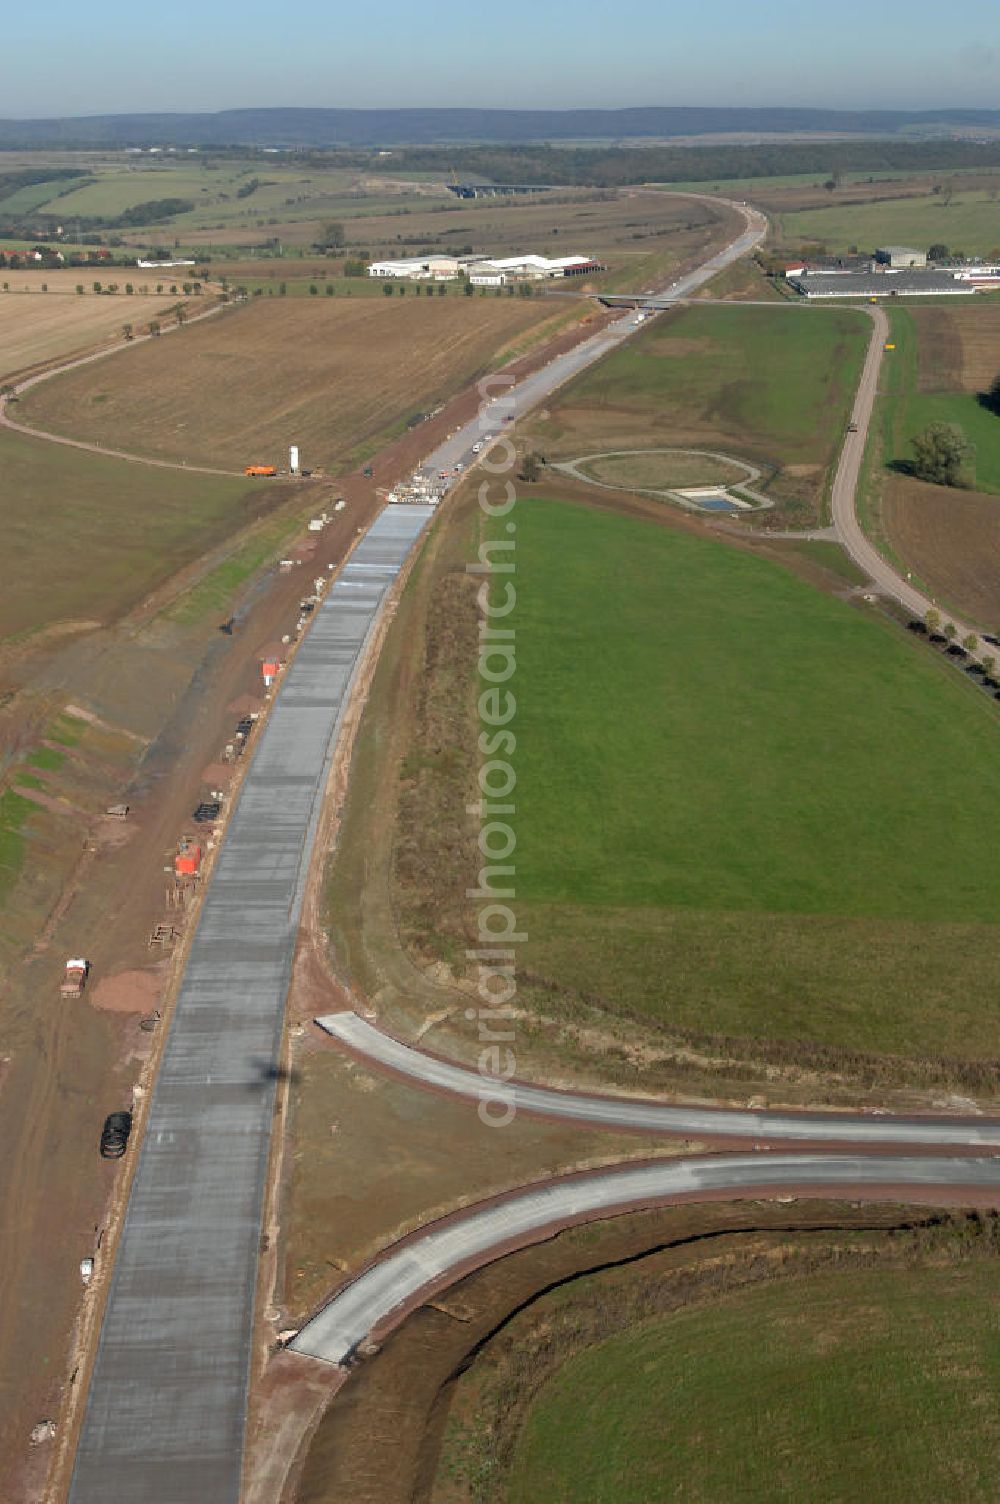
point(260, 470)
point(163, 935)
point(187, 862)
point(75, 976)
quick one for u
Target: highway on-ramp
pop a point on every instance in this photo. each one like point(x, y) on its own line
point(377, 1048)
point(381, 1296)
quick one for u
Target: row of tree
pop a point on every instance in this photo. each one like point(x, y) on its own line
point(932, 620)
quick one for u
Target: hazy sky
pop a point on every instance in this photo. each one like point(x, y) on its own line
point(64, 58)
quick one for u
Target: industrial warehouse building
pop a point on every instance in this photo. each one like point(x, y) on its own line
point(493, 273)
point(484, 271)
point(895, 271)
point(891, 284)
point(418, 268)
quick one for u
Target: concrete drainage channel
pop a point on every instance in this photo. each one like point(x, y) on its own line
point(732, 496)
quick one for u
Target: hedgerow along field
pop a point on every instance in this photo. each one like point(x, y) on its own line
point(840, 1389)
point(772, 386)
point(744, 807)
point(87, 537)
point(329, 374)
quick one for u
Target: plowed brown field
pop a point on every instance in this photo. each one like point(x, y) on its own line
point(959, 348)
point(38, 326)
point(327, 375)
point(951, 541)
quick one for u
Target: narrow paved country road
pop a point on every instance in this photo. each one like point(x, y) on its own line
point(844, 495)
point(370, 1305)
point(381, 1050)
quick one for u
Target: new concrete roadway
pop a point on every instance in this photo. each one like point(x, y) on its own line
point(379, 1298)
point(166, 1408)
point(376, 1048)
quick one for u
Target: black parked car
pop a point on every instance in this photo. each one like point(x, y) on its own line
point(114, 1134)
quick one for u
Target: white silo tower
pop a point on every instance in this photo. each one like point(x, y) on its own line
point(293, 459)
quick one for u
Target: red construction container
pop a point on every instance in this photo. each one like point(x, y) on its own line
point(188, 862)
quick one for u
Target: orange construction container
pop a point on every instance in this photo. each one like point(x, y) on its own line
point(265, 470)
point(187, 863)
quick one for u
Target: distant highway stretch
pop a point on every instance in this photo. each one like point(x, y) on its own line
point(379, 1298)
point(517, 400)
point(882, 1130)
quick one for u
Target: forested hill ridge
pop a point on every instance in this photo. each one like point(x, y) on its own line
point(343, 127)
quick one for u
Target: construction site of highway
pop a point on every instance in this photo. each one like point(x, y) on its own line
point(215, 1353)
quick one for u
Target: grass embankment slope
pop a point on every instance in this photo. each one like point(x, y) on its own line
point(876, 1386)
point(744, 807)
point(945, 357)
point(769, 386)
point(86, 537)
point(327, 374)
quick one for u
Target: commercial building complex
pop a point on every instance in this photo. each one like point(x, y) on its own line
point(894, 271)
point(485, 271)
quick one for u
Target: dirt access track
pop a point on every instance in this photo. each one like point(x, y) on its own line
point(65, 1067)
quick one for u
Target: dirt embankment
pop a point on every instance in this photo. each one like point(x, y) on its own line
point(402, 1414)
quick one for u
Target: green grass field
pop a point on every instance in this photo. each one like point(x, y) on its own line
point(742, 805)
point(772, 386)
point(284, 194)
point(969, 223)
point(775, 373)
point(905, 410)
point(840, 1390)
point(24, 200)
point(86, 537)
point(980, 426)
